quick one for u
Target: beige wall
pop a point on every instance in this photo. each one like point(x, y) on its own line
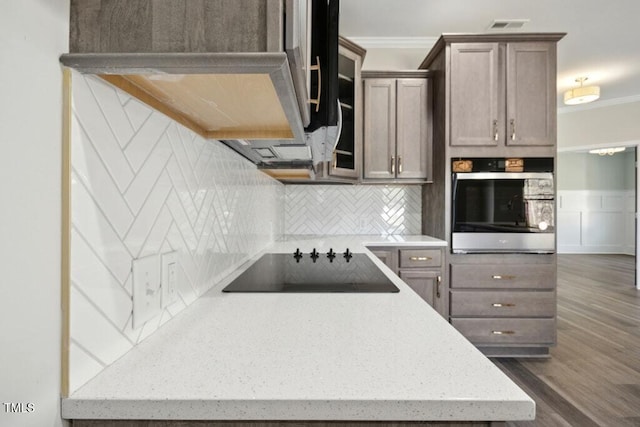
point(606, 126)
point(394, 58)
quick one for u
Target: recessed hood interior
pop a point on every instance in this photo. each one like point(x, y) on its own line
point(217, 95)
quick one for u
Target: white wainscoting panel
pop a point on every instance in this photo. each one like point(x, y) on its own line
point(143, 184)
point(352, 209)
point(596, 221)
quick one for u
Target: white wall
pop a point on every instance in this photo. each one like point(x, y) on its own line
point(596, 203)
point(33, 33)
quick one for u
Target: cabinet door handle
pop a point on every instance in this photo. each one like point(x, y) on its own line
point(502, 304)
point(513, 129)
point(502, 277)
point(393, 164)
point(399, 164)
point(438, 283)
point(503, 332)
point(495, 130)
point(420, 258)
point(317, 68)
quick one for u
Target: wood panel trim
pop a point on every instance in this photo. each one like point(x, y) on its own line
point(134, 90)
point(352, 46)
point(65, 270)
point(175, 63)
point(261, 134)
point(283, 84)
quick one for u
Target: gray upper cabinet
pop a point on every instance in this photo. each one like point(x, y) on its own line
point(397, 127)
point(531, 94)
point(239, 69)
point(346, 161)
point(503, 94)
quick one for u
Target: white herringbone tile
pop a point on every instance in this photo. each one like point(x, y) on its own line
point(136, 111)
point(148, 175)
point(98, 283)
point(107, 345)
point(111, 107)
point(363, 209)
point(142, 185)
point(89, 116)
point(85, 366)
point(147, 216)
point(91, 224)
point(145, 139)
point(90, 169)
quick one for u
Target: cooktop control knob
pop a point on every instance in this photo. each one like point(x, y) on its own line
point(297, 254)
point(331, 255)
point(347, 255)
point(315, 255)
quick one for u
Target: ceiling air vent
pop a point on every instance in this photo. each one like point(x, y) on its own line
point(507, 24)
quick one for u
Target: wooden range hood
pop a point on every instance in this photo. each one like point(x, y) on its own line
point(217, 95)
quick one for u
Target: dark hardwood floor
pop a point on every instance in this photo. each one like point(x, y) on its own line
point(593, 375)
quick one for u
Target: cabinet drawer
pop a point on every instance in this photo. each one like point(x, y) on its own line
point(503, 304)
point(420, 258)
point(503, 276)
point(507, 331)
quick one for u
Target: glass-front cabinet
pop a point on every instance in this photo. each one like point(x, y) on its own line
point(346, 161)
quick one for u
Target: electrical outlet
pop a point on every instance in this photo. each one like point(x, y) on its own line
point(147, 297)
point(169, 278)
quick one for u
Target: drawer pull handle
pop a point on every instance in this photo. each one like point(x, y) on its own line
point(420, 258)
point(503, 332)
point(502, 277)
point(502, 304)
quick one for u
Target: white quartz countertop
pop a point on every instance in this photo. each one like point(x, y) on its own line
point(279, 356)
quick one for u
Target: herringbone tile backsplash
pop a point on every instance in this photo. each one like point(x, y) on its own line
point(142, 184)
point(352, 209)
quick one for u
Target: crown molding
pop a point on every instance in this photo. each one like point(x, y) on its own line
point(599, 104)
point(395, 42)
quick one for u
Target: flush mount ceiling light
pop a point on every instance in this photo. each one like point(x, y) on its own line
point(607, 151)
point(582, 94)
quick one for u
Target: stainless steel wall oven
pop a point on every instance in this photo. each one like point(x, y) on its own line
point(496, 210)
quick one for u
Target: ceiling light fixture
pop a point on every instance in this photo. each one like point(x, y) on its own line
point(582, 94)
point(607, 151)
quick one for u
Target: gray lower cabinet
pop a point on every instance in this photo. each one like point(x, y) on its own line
point(397, 126)
point(504, 304)
point(420, 268)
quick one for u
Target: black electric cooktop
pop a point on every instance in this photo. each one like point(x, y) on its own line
point(314, 272)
